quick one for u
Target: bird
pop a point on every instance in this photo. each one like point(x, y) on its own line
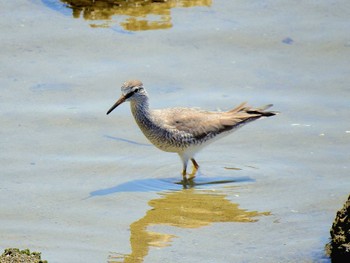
point(184, 131)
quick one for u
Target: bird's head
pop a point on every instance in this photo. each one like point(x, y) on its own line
point(131, 91)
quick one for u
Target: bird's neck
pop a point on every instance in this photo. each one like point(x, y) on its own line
point(140, 107)
point(141, 112)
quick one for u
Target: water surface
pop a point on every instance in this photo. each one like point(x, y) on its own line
point(80, 186)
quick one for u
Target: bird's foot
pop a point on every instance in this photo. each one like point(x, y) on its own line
point(193, 173)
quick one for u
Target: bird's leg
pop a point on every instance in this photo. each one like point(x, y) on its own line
point(195, 164)
point(195, 168)
point(184, 178)
point(184, 168)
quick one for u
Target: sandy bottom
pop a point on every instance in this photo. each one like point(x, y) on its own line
point(80, 186)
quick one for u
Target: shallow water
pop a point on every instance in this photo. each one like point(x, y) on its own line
point(80, 186)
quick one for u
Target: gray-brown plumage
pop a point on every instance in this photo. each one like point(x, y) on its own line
point(184, 131)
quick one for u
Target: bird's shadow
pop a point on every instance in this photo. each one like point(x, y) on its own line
point(126, 140)
point(169, 184)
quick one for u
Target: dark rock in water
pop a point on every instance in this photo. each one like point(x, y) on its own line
point(12, 255)
point(339, 246)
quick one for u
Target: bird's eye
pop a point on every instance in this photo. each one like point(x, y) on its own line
point(137, 89)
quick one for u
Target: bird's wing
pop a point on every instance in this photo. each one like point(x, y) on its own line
point(200, 123)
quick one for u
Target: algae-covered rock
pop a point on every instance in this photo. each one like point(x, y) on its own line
point(14, 255)
point(339, 246)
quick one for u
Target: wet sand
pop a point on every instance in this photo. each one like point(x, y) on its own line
point(80, 186)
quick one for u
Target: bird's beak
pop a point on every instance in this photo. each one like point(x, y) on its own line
point(120, 101)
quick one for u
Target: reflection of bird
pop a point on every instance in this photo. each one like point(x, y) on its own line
point(184, 130)
point(174, 209)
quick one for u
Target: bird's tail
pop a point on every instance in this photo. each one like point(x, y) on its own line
point(254, 112)
point(262, 111)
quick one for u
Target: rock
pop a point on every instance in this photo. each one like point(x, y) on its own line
point(339, 246)
point(12, 255)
